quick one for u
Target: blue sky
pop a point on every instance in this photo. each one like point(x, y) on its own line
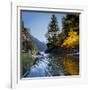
point(37, 22)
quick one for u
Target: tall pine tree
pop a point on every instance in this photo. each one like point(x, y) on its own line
point(52, 32)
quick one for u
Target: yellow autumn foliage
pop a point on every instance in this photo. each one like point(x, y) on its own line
point(72, 40)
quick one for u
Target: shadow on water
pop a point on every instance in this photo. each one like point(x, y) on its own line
point(51, 65)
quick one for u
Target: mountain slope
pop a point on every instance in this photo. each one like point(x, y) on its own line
point(40, 45)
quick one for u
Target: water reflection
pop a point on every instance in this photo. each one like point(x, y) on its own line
point(65, 65)
point(51, 65)
point(71, 65)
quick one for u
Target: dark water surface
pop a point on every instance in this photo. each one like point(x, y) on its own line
point(51, 65)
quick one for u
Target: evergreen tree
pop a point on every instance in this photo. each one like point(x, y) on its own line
point(52, 32)
point(70, 30)
point(70, 23)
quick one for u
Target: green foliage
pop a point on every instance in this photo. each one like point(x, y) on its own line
point(27, 50)
point(34, 49)
point(26, 43)
point(26, 62)
point(52, 32)
point(70, 23)
point(53, 25)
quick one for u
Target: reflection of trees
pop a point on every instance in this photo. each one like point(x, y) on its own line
point(60, 66)
point(71, 65)
point(56, 65)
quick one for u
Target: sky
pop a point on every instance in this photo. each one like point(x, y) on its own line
point(37, 22)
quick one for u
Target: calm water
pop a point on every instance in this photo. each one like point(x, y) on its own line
point(51, 65)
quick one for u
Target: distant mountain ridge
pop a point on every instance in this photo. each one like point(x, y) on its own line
point(40, 45)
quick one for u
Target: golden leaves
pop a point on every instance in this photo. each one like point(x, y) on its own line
point(72, 40)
